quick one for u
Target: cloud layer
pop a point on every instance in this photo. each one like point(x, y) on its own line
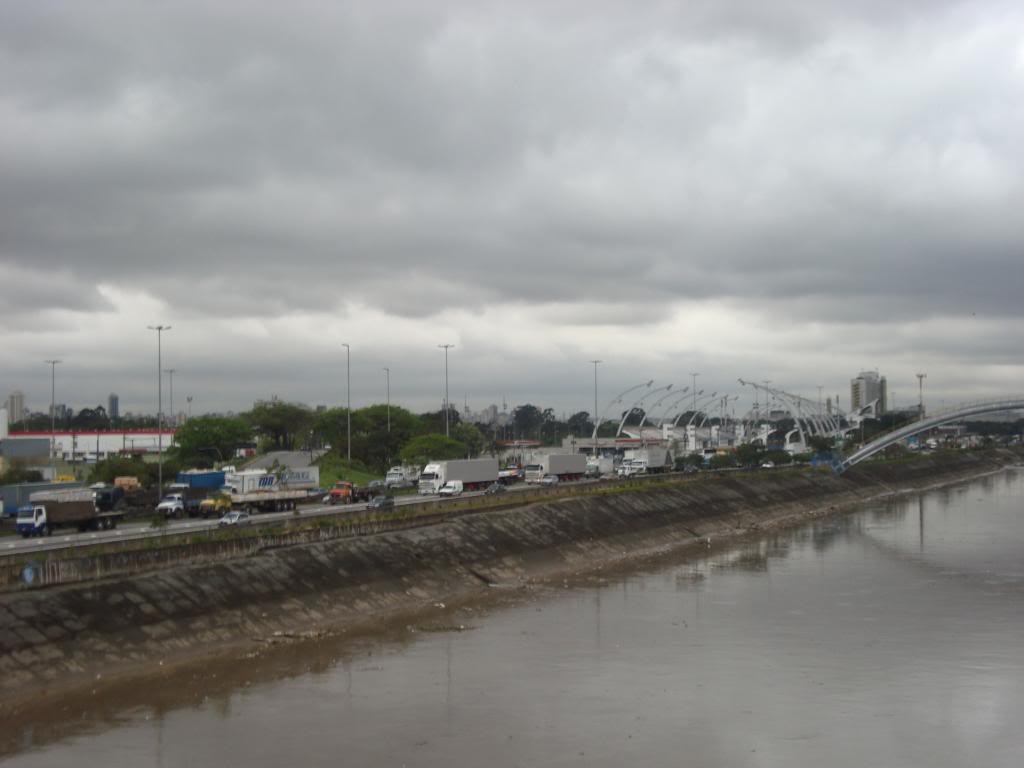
point(800, 189)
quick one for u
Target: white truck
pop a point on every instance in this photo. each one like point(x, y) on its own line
point(600, 465)
point(48, 510)
point(257, 490)
point(401, 476)
point(474, 474)
point(644, 461)
point(565, 466)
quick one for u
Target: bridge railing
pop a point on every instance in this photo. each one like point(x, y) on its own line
point(954, 413)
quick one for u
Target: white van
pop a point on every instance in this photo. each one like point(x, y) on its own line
point(451, 488)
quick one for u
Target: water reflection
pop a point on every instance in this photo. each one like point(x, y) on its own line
point(881, 638)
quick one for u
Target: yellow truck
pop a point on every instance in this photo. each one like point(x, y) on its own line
point(217, 505)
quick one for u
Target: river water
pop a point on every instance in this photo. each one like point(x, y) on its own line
point(891, 637)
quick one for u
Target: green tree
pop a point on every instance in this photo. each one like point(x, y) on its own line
point(722, 461)
point(119, 466)
point(527, 419)
point(433, 422)
point(91, 419)
point(748, 455)
point(18, 473)
point(432, 447)
point(284, 425)
point(820, 444)
point(471, 437)
point(205, 439)
point(580, 424)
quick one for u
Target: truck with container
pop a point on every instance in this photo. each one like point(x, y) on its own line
point(50, 510)
point(402, 476)
point(474, 474)
point(257, 490)
point(645, 461)
point(600, 466)
point(564, 466)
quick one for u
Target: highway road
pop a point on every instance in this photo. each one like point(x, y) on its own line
point(132, 531)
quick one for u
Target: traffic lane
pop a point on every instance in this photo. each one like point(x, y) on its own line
point(139, 531)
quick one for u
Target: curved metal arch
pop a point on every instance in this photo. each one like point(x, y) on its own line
point(676, 422)
point(955, 414)
point(634, 405)
point(701, 404)
point(662, 399)
point(723, 400)
point(618, 399)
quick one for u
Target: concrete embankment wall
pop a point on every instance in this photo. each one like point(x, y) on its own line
point(62, 637)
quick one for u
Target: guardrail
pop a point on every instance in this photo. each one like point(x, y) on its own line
point(154, 549)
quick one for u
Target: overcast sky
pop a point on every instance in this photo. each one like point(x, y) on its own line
point(794, 191)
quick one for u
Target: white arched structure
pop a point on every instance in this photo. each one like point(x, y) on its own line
point(958, 413)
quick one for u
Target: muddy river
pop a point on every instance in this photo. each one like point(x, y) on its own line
point(891, 637)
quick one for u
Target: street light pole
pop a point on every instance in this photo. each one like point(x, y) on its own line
point(159, 406)
point(189, 399)
point(695, 375)
point(348, 402)
point(920, 394)
point(596, 363)
point(445, 347)
point(173, 419)
point(387, 384)
point(53, 417)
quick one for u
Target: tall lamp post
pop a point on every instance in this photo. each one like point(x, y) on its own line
point(920, 394)
point(348, 402)
point(53, 417)
point(445, 347)
point(170, 375)
point(189, 399)
point(596, 363)
point(695, 375)
point(159, 406)
point(387, 386)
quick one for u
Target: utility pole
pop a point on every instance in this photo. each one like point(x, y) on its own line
point(159, 406)
point(348, 402)
point(174, 419)
point(53, 417)
point(920, 394)
point(387, 384)
point(445, 347)
point(596, 363)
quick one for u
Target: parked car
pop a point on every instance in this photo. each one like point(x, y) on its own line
point(234, 518)
point(549, 480)
point(381, 502)
point(494, 488)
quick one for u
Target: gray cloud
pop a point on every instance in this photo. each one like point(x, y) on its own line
point(597, 165)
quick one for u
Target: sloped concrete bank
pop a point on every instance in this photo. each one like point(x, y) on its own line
point(63, 638)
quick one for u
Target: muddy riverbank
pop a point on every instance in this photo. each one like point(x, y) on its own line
point(74, 638)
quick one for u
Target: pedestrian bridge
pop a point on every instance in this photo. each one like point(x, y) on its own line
point(958, 413)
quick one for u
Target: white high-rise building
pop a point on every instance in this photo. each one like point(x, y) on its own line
point(868, 389)
point(16, 406)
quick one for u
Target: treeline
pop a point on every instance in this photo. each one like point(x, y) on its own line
point(86, 420)
point(379, 436)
